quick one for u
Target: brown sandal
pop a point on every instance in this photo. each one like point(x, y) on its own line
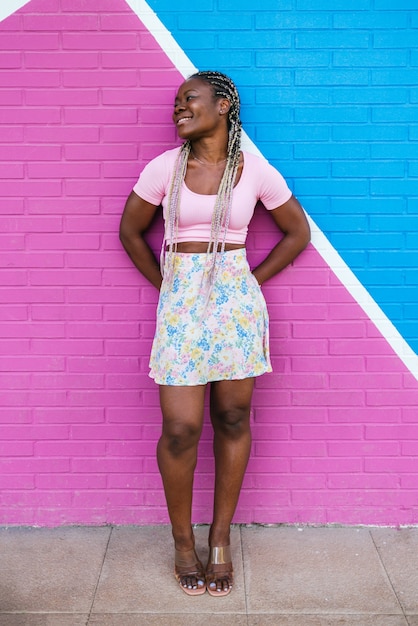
point(186, 569)
point(218, 570)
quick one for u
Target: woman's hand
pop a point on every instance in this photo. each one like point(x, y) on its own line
point(291, 220)
point(137, 217)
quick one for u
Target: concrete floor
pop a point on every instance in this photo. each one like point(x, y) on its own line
point(290, 576)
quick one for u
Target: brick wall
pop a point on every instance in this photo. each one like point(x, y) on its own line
point(85, 101)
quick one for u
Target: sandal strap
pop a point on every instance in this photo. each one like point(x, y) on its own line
point(220, 555)
point(219, 564)
point(188, 563)
point(185, 558)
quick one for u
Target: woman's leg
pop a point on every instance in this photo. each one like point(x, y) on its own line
point(230, 405)
point(182, 409)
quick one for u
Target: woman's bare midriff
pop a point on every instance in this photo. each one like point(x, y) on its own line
point(202, 246)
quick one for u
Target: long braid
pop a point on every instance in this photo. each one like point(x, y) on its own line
point(174, 211)
point(223, 87)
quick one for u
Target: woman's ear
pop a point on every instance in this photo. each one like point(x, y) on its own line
point(224, 107)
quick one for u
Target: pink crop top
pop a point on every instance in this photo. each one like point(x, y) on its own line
point(259, 181)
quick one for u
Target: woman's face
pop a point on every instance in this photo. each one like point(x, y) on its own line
point(197, 113)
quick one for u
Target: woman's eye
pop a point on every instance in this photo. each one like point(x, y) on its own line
point(186, 99)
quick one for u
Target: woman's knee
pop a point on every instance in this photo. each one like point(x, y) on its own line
point(230, 405)
point(180, 437)
point(182, 409)
point(233, 421)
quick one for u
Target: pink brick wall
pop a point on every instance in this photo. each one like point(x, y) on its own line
point(85, 101)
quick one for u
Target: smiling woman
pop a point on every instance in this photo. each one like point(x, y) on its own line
point(212, 320)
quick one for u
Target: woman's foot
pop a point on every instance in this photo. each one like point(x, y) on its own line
point(219, 571)
point(189, 572)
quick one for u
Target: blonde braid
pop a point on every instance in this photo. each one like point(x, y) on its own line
point(172, 222)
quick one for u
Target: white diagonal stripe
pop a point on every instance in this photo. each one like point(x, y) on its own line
point(10, 6)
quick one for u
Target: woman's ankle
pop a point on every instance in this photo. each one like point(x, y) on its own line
point(184, 541)
point(219, 536)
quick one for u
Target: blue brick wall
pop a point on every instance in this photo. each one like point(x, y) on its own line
point(330, 97)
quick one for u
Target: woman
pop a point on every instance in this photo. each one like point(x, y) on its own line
point(212, 324)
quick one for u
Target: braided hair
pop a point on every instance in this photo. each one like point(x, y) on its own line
point(223, 87)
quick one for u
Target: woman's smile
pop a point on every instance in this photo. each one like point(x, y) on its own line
point(183, 120)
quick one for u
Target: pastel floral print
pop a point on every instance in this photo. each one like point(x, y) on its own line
point(199, 340)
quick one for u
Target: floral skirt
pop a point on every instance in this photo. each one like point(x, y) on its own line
point(200, 340)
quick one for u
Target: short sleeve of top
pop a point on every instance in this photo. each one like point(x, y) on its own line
point(154, 181)
point(272, 189)
point(259, 181)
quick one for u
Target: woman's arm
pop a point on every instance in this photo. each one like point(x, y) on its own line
point(291, 219)
point(137, 217)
